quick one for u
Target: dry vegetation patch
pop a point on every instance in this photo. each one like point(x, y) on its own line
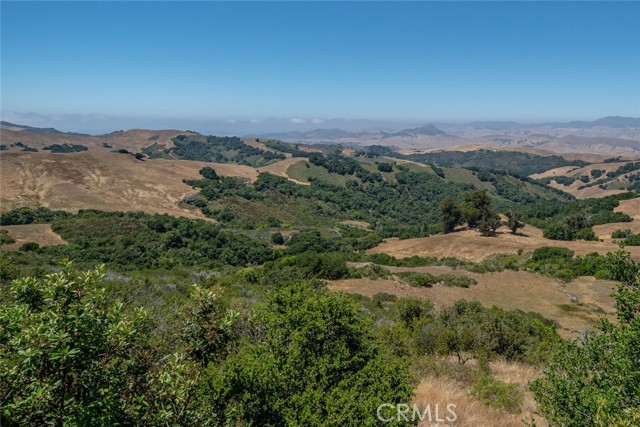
point(470, 411)
point(280, 168)
point(38, 233)
point(469, 245)
point(573, 171)
point(512, 290)
point(96, 180)
point(632, 208)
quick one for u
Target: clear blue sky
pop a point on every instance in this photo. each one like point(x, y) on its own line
point(414, 61)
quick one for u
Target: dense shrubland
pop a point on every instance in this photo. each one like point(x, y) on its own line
point(283, 147)
point(135, 240)
point(409, 205)
point(571, 221)
point(217, 149)
point(65, 148)
point(404, 207)
point(523, 164)
point(71, 356)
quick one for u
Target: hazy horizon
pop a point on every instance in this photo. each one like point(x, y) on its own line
point(101, 124)
point(95, 67)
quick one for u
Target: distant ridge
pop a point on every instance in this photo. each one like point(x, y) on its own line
point(615, 122)
point(41, 131)
point(333, 134)
point(429, 130)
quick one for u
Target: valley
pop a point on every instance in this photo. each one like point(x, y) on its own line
point(319, 214)
point(251, 217)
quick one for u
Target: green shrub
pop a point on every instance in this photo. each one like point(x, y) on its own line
point(632, 240)
point(621, 234)
point(5, 238)
point(547, 252)
point(277, 238)
point(331, 266)
point(428, 280)
point(381, 297)
point(315, 361)
point(558, 231)
point(385, 167)
point(468, 330)
point(372, 271)
point(29, 247)
point(586, 234)
point(497, 394)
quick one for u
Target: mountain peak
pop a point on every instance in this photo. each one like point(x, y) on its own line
point(428, 129)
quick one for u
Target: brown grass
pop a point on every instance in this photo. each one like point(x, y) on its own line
point(511, 290)
point(39, 233)
point(470, 411)
point(253, 143)
point(280, 168)
point(630, 207)
point(513, 372)
point(97, 180)
point(469, 245)
point(574, 189)
point(133, 140)
point(574, 170)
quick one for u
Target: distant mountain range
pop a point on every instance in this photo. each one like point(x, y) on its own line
point(429, 130)
point(609, 136)
point(616, 122)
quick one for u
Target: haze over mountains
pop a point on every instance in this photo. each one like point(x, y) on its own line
point(609, 136)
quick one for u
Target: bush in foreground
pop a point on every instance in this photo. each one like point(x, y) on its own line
point(595, 382)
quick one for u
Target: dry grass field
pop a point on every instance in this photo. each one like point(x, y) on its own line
point(574, 189)
point(574, 170)
point(594, 192)
point(280, 168)
point(471, 246)
point(39, 233)
point(133, 140)
point(630, 207)
point(97, 180)
point(109, 181)
point(470, 411)
point(521, 290)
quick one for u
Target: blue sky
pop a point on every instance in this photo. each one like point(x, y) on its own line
point(313, 62)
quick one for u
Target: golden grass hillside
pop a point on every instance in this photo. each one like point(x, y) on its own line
point(109, 181)
point(133, 140)
point(97, 180)
point(574, 171)
point(469, 245)
point(512, 290)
